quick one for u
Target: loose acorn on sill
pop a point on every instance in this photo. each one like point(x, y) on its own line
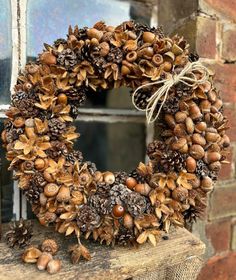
point(43, 260)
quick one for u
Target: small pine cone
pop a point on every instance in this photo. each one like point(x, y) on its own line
point(119, 194)
point(74, 156)
point(120, 177)
point(14, 134)
point(88, 219)
point(38, 180)
point(139, 178)
point(49, 246)
point(67, 58)
point(19, 234)
point(193, 57)
point(36, 187)
point(8, 125)
point(202, 169)
point(17, 97)
point(115, 55)
point(155, 149)
point(91, 166)
point(141, 98)
point(136, 204)
point(99, 63)
point(74, 111)
point(82, 33)
point(25, 104)
point(182, 90)
point(77, 96)
point(56, 127)
point(171, 106)
point(125, 237)
point(172, 161)
point(59, 41)
point(57, 149)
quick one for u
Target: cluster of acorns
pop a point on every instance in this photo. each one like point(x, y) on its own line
point(69, 192)
point(43, 257)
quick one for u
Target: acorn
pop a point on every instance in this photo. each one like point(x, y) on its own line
point(200, 127)
point(179, 130)
point(167, 66)
point(54, 266)
point(49, 246)
point(19, 122)
point(128, 221)
point(27, 86)
point(176, 49)
point(109, 177)
point(195, 112)
point(51, 189)
point(47, 218)
point(170, 120)
point(104, 49)
point(196, 151)
point(218, 104)
point(118, 211)
point(212, 157)
point(30, 133)
point(143, 189)
point(42, 199)
point(98, 177)
point(195, 182)
point(212, 137)
point(191, 164)
point(189, 125)
point(39, 164)
point(43, 261)
point(94, 33)
point(47, 58)
point(157, 59)
point(198, 139)
point(215, 166)
point(29, 123)
point(148, 37)
point(184, 149)
point(225, 141)
point(205, 106)
point(84, 178)
point(180, 117)
point(179, 143)
point(31, 255)
point(125, 70)
point(130, 45)
point(63, 194)
point(48, 177)
point(131, 56)
point(180, 194)
point(207, 184)
point(94, 42)
point(62, 98)
point(131, 182)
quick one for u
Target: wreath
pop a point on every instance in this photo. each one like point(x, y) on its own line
point(174, 90)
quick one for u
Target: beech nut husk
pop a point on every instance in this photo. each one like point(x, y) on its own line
point(31, 255)
point(49, 246)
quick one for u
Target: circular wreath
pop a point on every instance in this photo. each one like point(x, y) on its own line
point(166, 81)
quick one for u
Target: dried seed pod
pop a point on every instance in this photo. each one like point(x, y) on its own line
point(212, 96)
point(130, 45)
point(49, 246)
point(39, 164)
point(43, 261)
point(218, 104)
point(170, 120)
point(196, 151)
point(148, 37)
point(94, 33)
point(180, 117)
point(191, 164)
point(128, 221)
point(179, 143)
point(47, 218)
point(189, 125)
point(109, 177)
point(47, 58)
point(30, 132)
point(198, 139)
point(131, 182)
point(176, 49)
point(200, 127)
point(143, 189)
point(54, 266)
point(85, 178)
point(180, 194)
point(31, 255)
point(51, 189)
point(125, 70)
point(63, 194)
point(207, 184)
point(118, 211)
point(19, 122)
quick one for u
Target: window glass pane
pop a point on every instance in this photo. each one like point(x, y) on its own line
point(49, 20)
point(5, 51)
point(6, 185)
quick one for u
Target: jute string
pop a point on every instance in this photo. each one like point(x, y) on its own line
point(187, 76)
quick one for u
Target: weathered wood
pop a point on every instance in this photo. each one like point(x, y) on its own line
point(107, 263)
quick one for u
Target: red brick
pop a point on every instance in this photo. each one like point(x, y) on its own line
point(219, 268)
point(230, 113)
point(222, 201)
point(229, 42)
point(225, 7)
point(219, 234)
point(225, 80)
point(227, 170)
point(206, 37)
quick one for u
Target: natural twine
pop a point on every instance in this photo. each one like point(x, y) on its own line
point(187, 76)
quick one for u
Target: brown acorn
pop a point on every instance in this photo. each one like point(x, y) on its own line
point(39, 164)
point(225, 141)
point(212, 96)
point(170, 120)
point(195, 112)
point(189, 125)
point(143, 189)
point(98, 177)
point(27, 86)
point(130, 182)
point(63, 194)
point(148, 37)
point(94, 33)
point(49, 246)
point(212, 157)
point(118, 211)
point(179, 143)
point(200, 127)
point(48, 58)
point(191, 164)
point(198, 139)
point(62, 98)
point(180, 194)
point(205, 106)
point(180, 117)
point(167, 66)
point(196, 151)
point(54, 266)
point(125, 70)
point(43, 260)
point(212, 137)
point(51, 190)
point(104, 49)
point(19, 122)
point(207, 184)
point(128, 221)
point(109, 177)
point(180, 130)
point(85, 178)
point(215, 166)
point(31, 255)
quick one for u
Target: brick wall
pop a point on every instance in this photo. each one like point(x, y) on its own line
point(210, 27)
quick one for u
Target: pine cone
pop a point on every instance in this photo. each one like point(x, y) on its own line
point(67, 58)
point(172, 161)
point(171, 106)
point(74, 156)
point(82, 33)
point(74, 111)
point(182, 90)
point(140, 28)
point(120, 177)
point(56, 127)
point(25, 103)
point(91, 166)
point(139, 178)
point(88, 219)
point(13, 134)
point(115, 55)
point(119, 194)
point(57, 149)
point(19, 234)
point(98, 63)
point(155, 149)
point(59, 41)
point(77, 96)
point(125, 237)
point(202, 169)
point(36, 187)
point(136, 204)
point(193, 57)
point(141, 98)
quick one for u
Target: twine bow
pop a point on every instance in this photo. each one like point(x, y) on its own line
point(187, 76)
